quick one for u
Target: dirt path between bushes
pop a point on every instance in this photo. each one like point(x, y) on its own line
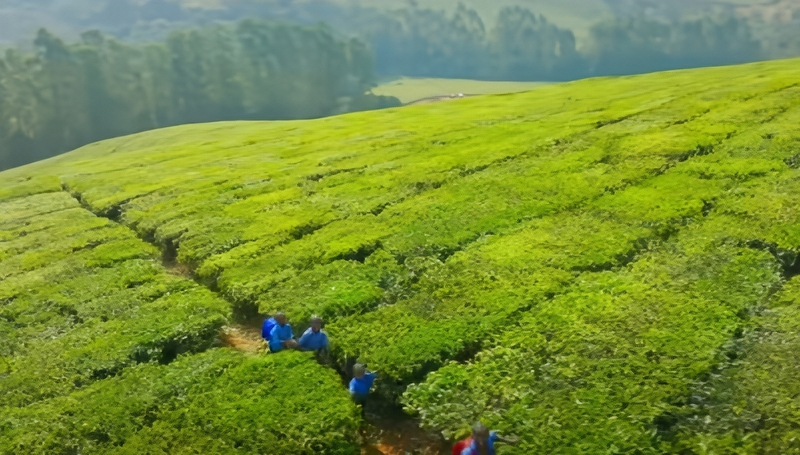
point(389, 433)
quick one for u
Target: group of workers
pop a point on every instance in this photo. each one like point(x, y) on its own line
point(278, 333)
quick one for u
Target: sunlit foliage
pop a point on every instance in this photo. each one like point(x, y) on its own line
point(606, 266)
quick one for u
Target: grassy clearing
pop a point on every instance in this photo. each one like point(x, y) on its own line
point(573, 263)
point(408, 90)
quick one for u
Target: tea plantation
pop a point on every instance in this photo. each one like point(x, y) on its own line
point(604, 266)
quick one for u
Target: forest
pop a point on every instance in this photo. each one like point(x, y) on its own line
point(67, 95)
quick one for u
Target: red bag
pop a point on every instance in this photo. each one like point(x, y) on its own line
point(461, 445)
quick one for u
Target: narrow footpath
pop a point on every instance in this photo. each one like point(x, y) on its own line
point(390, 433)
point(387, 433)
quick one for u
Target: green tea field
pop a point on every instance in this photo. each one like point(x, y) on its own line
point(604, 266)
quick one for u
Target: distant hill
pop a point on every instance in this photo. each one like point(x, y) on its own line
point(150, 19)
point(577, 15)
point(201, 62)
point(609, 265)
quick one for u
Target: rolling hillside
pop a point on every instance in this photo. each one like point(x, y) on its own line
point(604, 266)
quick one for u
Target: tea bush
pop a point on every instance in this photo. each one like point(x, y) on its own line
point(84, 298)
point(734, 410)
point(606, 363)
point(220, 401)
point(91, 323)
point(575, 264)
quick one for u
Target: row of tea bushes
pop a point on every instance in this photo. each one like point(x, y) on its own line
point(734, 411)
point(219, 401)
point(606, 364)
point(83, 298)
point(645, 359)
point(105, 351)
point(599, 242)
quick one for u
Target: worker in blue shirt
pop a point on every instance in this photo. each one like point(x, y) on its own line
point(361, 384)
point(483, 441)
point(281, 337)
point(314, 339)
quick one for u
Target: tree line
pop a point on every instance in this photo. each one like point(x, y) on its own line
point(633, 45)
point(64, 95)
point(522, 45)
point(519, 44)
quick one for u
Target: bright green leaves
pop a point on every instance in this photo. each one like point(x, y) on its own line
point(215, 402)
point(459, 306)
point(752, 406)
point(600, 364)
point(87, 314)
point(334, 290)
point(588, 253)
point(83, 299)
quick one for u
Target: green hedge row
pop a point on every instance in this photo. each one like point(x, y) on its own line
point(735, 412)
point(604, 366)
point(83, 298)
point(644, 360)
point(92, 325)
point(585, 252)
point(220, 401)
point(453, 312)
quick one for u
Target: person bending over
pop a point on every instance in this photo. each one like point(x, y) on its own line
point(281, 337)
point(314, 339)
point(482, 442)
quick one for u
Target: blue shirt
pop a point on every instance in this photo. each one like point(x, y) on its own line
point(279, 334)
point(473, 448)
point(362, 386)
point(311, 341)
